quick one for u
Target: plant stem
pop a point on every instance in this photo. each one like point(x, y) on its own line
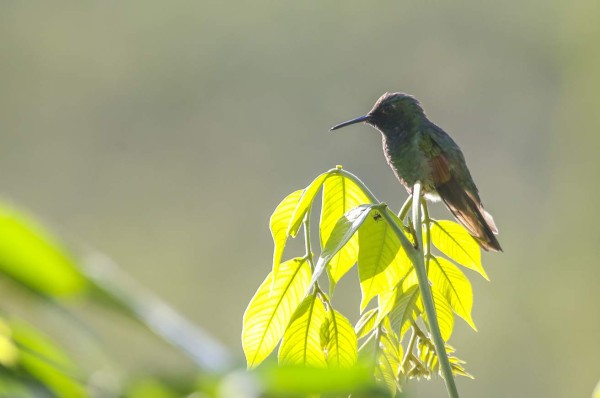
point(358, 182)
point(405, 207)
point(427, 297)
point(409, 347)
point(427, 242)
point(309, 254)
point(307, 245)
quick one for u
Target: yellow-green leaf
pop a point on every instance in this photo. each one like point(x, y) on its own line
point(454, 241)
point(388, 361)
point(341, 346)
point(410, 280)
point(443, 312)
point(387, 301)
point(381, 258)
point(29, 255)
point(271, 309)
point(384, 353)
point(404, 308)
point(447, 279)
point(301, 343)
point(344, 228)
point(366, 323)
point(340, 194)
point(308, 195)
point(279, 223)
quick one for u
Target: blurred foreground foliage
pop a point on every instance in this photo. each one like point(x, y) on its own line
point(33, 362)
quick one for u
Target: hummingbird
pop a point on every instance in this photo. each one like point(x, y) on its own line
point(418, 150)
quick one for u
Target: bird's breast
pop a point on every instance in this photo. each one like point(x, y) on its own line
point(408, 162)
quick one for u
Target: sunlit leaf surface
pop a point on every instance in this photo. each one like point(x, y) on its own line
point(279, 223)
point(308, 195)
point(301, 343)
point(340, 194)
point(341, 343)
point(404, 308)
point(454, 241)
point(343, 230)
point(271, 309)
point(443, 312)
point(381, 260)
point(366, 323)
point(385, 354)
point(448, 280)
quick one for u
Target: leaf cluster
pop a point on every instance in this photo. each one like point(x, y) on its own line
point(290, 309)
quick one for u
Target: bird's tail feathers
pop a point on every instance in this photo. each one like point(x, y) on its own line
point(471, 214)
point(488, 219)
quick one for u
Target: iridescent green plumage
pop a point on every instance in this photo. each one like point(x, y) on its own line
point(418, 150)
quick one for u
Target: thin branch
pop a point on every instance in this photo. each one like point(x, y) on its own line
point(409, 347)
point(427, 297)
point(405, 208)
point(358, 182)
point(307, 244)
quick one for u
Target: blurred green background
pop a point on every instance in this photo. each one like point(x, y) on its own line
point(164, 133)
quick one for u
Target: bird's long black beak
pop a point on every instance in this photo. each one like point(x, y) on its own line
point(359, 119)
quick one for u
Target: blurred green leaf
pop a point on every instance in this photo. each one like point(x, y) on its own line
point(9, 353)
point(301, 344)
point(447, 279)
point(29, 255)
point(271, 309)
point(45, 362)
point(454, 240)
point(341, 343)
point(381, 259)
point(340, 194)
point(298, 380)
point(344, 228)
point(151, 388)
point(308, 195)
point(12, 386)
point(279, 223)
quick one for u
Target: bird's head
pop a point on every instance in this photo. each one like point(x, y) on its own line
point(391, 112)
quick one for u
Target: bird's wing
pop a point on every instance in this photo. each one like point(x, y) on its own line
point(447, 161)
point(454, 184)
